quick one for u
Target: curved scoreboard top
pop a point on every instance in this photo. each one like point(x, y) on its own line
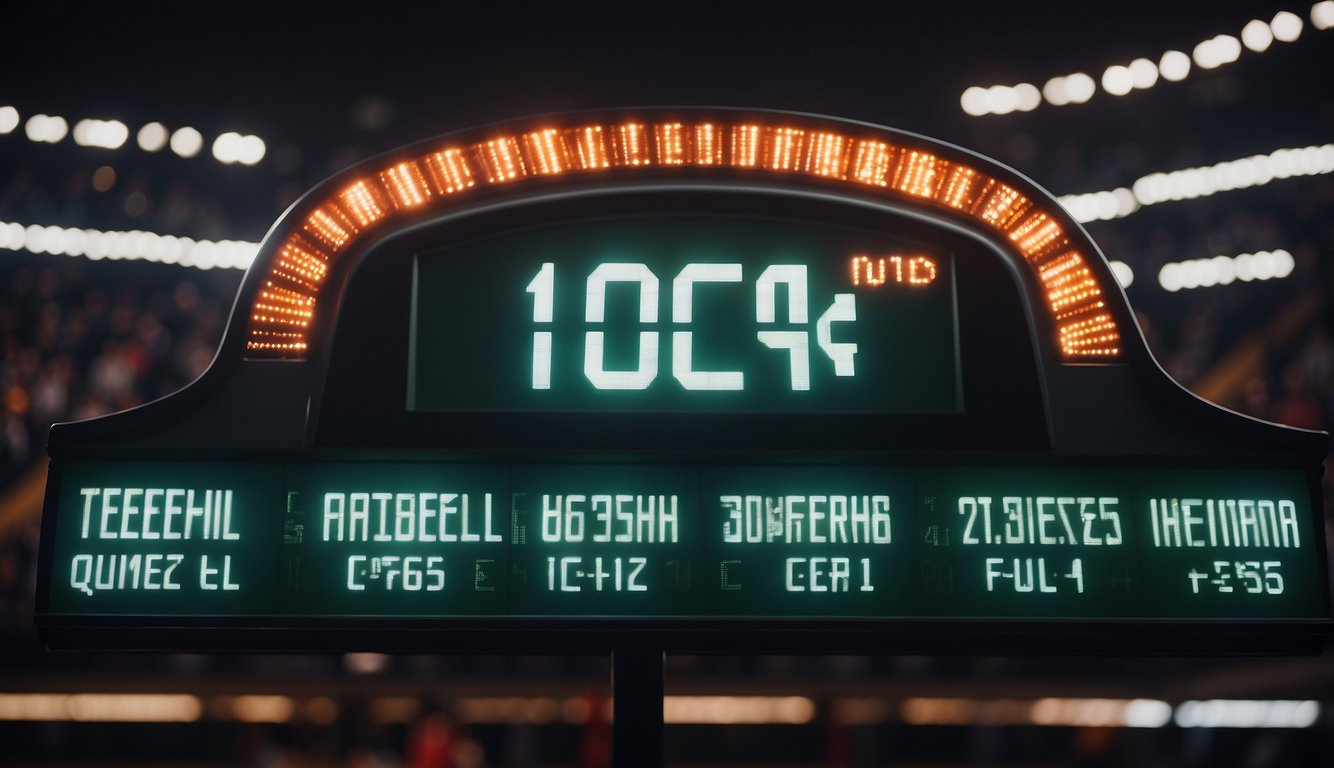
point(709, 380)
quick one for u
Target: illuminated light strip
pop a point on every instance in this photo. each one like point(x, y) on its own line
point(449, 171)
point(919, 174)
point(1002, 206)
point(1142, 73)
point(130, 246)
point(101, 707)
point(163, 708)
point(253, 708)
point(500, 160)
point(959, 191)
point(1038, 235)
point(826, 155)
point(302, 262)
point(1225, 270)
point(1204, 181)
point(671, 145)
point(406, 185)
point(632, 146)
point(591, 148)
point(782, 148)
point(708, 149)
point(1086, 329)
point(329, 226)
point(363, 202)
point(871, 166)
point(546, 152)
point(1227, 713)
point(1065, 712)
point(745, 146)
point(737, 710)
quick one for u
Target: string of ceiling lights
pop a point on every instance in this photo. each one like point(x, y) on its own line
point(229, 148)
point(1143, 73)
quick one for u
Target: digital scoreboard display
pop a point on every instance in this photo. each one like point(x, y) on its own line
point(686, 313)
point(457, 540)
point(698, 381)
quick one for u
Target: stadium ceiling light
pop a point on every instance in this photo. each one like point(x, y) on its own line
point(1189, 183)
point(226, 148)
point(104, 134)
point(1000, 99)
point(252, 150)
point(1257, 36)
point(1080, 87)
point(232, 148)
point(46, 129)
point(9, 120)
point(1075, 88)
point(1117, 80)
point(1173, 65)
point(1051, 711)
point(1003, 99)
point(187, 142)
point(1027, 96)
point(1322, 15)
point(1055, 92)
point(128, 246)
point(152, 137)
point(1225, 270)
point(1124, 274)
point(1223, 713)
point(1286, 26)
point(1143, 73)
point(976, 101)
point(1217, 51)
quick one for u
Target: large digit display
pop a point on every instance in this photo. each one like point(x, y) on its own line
point(432, 540)
point(702, 381)
point(686, 313)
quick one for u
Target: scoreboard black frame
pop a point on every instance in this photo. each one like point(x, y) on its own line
point(1057, 400)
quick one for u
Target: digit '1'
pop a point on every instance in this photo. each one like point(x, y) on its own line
point(543, 288)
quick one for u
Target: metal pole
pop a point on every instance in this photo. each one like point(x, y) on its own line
point(636, 689)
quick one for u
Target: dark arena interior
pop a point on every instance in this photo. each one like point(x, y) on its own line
point(146, 152)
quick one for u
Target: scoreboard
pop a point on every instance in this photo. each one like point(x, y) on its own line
point(726, 381)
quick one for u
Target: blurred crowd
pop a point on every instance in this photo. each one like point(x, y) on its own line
point(81, 339)
point(1190, 330)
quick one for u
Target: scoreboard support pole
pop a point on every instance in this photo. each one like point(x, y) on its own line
point(637, 691)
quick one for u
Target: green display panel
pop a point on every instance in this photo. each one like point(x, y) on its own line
point(686, 313)
point(602, 541)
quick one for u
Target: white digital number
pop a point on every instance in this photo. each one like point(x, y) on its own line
point(595, 312)
point(795, 341)
point(543, 288)
point(683, 299)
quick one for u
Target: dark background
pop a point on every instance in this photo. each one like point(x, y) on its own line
point(328, 85)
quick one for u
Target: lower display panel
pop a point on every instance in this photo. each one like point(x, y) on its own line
point(621, 541)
